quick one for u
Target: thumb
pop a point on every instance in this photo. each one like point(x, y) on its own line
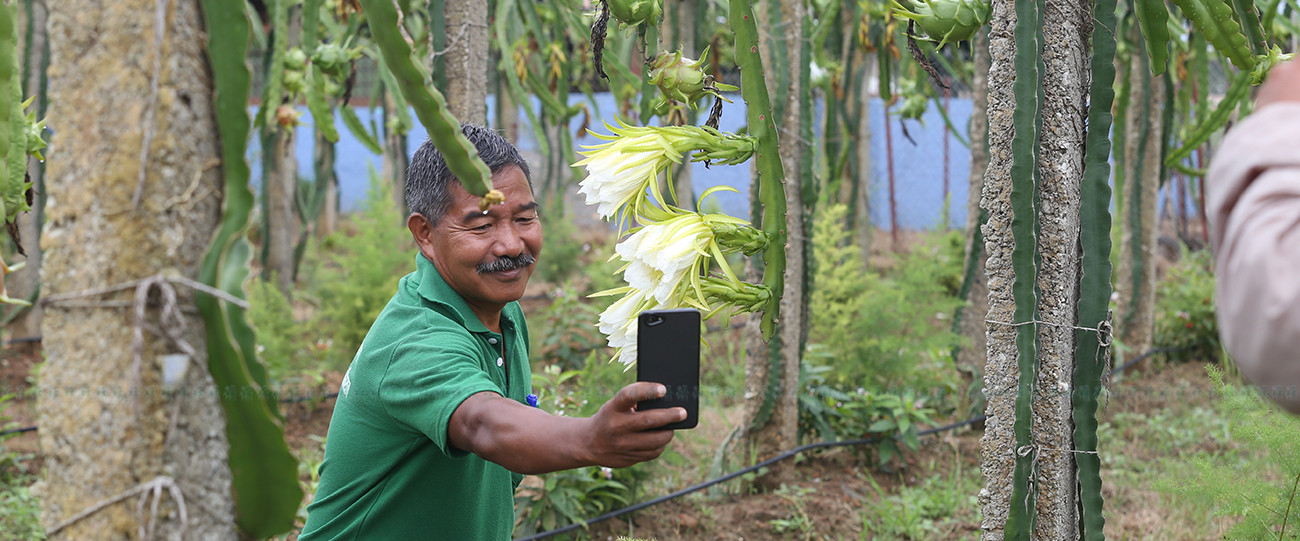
point(627, 397)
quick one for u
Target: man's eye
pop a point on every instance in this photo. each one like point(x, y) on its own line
point(526, 219)
point(483, 227)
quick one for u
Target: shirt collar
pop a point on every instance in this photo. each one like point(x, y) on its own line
point(436, 290)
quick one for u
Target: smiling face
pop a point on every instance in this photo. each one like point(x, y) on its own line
point(487, 258)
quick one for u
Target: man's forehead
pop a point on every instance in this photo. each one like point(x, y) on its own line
point(507, 207)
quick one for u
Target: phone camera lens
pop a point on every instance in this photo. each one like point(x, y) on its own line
point(653, 320)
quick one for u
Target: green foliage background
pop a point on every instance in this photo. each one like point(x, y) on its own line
point(1185, 317)
point(884, 329)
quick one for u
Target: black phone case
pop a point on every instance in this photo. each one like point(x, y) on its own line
point(668, 352)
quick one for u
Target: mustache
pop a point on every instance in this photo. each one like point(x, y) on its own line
point(506, 264)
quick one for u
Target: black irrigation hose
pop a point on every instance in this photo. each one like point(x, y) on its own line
point(738, 473)
point(1142, 357)
point(18, 430)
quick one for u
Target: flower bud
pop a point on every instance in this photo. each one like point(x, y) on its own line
point(740, 238)
point(286, 116)
point(332, 58)
point(295, 59)
point(678, 78)
point(34, 130)
point(742, 296)
point(295, 82)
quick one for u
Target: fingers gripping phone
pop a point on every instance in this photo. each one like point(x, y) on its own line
point(668, 352)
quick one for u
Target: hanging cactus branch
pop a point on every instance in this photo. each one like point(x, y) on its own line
point(19, 137)
point(429, 104)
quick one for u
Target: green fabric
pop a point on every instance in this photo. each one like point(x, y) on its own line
point(389, 471)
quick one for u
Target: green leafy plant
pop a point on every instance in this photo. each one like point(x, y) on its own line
point(837, 414)
point(895, 417)
point(1264, 499)
point(819, 403)
point(567, 497)
point(884, 330)
point(1185, 309)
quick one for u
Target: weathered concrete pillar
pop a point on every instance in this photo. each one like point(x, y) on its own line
point(1065, 49)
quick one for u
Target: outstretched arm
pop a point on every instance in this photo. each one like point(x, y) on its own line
point(530, 441)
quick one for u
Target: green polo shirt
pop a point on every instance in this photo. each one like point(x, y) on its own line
point(389, 470)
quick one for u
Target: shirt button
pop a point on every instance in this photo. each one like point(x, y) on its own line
point(492, 340)
point(501, 362)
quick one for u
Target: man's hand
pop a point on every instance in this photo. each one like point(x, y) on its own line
point(1283, 84)
point(620, 436)
point(528, 440)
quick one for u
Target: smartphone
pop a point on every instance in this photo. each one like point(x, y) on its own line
point(668, 352)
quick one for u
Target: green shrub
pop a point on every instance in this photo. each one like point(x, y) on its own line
point(884, 330)
point(359, 271)
point(836, 414)
point(293, 351)
point(566, 497)
point(1185, 309)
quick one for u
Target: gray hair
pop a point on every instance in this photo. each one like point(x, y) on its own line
point(428, 177)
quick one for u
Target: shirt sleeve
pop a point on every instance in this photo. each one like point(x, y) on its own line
point(427, 379)
point(1253, 194)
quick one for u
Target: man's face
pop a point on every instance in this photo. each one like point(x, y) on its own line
point(487, 257)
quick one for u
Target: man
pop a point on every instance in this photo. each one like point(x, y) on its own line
point(430, 435)
point(1254, 209)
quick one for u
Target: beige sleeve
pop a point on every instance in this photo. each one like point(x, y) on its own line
point(1253, 194)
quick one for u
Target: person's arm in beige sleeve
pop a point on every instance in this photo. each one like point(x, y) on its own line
point(1253, 192)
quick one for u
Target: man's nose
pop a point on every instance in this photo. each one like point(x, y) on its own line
point(508, 241)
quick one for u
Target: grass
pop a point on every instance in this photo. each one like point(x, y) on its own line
point(19, 509)
point(1156, 446)
point(936, 508)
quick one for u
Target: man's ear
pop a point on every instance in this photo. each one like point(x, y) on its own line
point(423, 232)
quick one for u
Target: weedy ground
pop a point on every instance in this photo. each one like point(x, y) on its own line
point(1161, 425)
